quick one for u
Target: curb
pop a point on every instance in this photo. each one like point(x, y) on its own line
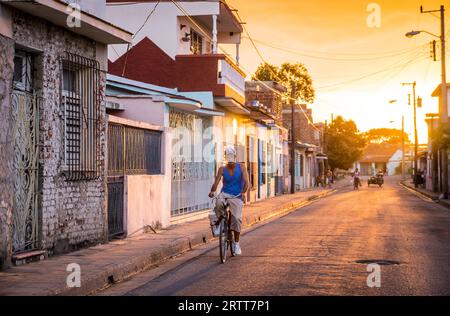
point(155, 257)
point(427, 195)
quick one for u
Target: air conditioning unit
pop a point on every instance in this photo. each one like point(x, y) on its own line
point(114, 106)
point(255, 104)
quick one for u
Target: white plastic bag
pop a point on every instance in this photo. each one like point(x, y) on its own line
point(215, 229)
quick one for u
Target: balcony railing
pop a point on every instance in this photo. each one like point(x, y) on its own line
point(210, 72)
point(232, 76)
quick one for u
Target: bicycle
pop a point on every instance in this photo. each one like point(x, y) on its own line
point(226, 237)
point(356, 183)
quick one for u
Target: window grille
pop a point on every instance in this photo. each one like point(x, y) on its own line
point(23, 71)
point(196, 43)
point(133, 150)
point(81, 102)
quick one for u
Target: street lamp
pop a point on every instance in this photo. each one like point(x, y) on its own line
point(414, 33)
point(443, 111)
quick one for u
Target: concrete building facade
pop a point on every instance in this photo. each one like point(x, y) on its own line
point(52, 195)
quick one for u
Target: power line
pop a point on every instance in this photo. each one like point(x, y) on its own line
point(129, 46)
point(273, 72)
point(393, 66)
point(256, 48)
point(245, 70)
point(146, 20)
point(403, 66)
point(112, 46)
point(120, 4)
point(374, 55)
point(396, 73)
point(298, 53)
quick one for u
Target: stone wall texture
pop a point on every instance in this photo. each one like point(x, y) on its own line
point(72, 214)
point(6, 183)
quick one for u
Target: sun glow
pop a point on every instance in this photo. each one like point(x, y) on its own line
point(356, 68)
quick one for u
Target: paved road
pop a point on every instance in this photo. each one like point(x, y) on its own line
point(316, 250)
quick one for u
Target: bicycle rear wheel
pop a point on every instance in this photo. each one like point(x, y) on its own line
point(223, 240)
point(230, 237)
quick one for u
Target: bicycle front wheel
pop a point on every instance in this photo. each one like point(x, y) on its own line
point(223, 240)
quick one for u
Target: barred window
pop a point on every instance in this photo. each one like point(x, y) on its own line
point(133, 150)
point(196, 43)
point(80, 85)
point(23, 71)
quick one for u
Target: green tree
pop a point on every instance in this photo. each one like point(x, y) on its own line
point(287, 74)
point(385, 136)
point(344, 143)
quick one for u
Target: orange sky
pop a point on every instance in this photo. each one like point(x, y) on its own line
point(333, 40)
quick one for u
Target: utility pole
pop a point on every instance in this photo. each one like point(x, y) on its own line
point(403, 148)
point(444, 106)
point(434, 150)
point(416, 138)
point(293, 141)
point(325, 148)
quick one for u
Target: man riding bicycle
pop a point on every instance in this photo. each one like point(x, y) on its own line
point(235, 185)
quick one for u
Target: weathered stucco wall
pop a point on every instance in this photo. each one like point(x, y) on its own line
point(72, 214)
point(147, 202)
point(6, 183)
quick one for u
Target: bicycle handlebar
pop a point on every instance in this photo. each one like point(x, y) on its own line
point(227, 198)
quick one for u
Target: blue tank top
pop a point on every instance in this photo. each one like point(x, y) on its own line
point(232, 184)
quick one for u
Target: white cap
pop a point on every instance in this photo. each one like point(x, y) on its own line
point(230, 154)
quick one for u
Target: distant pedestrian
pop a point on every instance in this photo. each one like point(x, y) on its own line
point(319, 182)
point(329, 176)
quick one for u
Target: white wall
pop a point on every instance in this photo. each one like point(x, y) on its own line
point(164, 18)
point(142, 110)
point(147, 202)
point(394, 162)
point(94, 7)
point(184, 48)
point(5, 21)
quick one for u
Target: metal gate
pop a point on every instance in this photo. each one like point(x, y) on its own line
point(115, 206)
point(116, 171)
point(192, 174)
point(25, 115)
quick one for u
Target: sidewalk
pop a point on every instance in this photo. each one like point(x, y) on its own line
point(430, 194)
point(112, 262)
